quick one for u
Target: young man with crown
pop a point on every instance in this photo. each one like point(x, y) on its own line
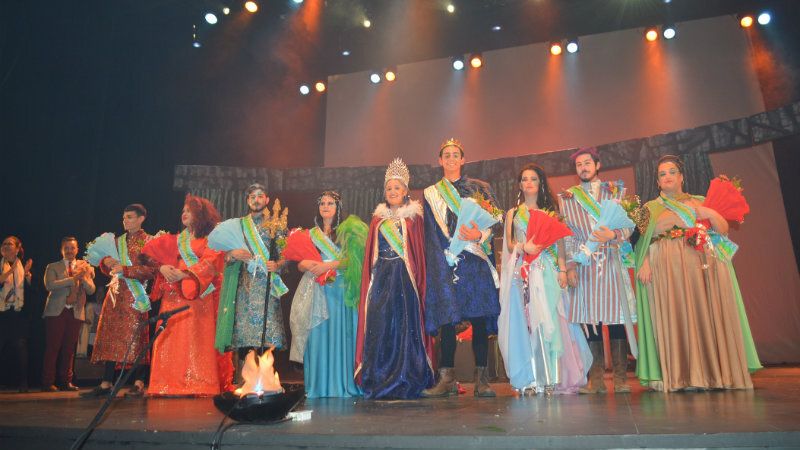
point(467, 291)
point(600, 292)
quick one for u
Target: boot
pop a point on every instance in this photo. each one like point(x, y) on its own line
point(481, 380)
point(596, 385)
point(619, 358)
point(445, 386)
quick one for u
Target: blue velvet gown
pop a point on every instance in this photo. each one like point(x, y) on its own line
point(395, 364)
point(330, 351)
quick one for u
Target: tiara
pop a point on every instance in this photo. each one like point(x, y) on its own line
point(452, 142)
point(397, 170)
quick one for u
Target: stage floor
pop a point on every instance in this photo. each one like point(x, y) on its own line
point(769, 416)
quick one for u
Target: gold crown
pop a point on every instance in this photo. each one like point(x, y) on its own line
point(451, 142)
point(397, 170)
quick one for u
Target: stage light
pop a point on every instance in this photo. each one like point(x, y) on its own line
point(375, 77)
point(651, 34)
point(251, 6)
point(450, 8)
point(572, 46)
point(746, 21)
point(555, 48)
point(390, 74)
point(345, 52)
point(668, 32)
point(476, 61)
point(458, 63)
point(304, 89)
point(497, 28)
point(211, 18)
point(764, 18)
point(196, 44)
point(226, 10)
point(297, 2)
point(366, 23)
point(320, 86)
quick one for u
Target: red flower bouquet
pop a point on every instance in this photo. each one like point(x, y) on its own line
point(299, 247)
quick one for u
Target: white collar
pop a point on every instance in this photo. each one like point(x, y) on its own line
point(407, 211)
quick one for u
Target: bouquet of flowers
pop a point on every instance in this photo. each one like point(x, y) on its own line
point(614, 217)
point(299, 246)
point(697, 236)
point(725, 197)
point(478, 209)
point(227, 236)
point(104, 246)
point(545, 228)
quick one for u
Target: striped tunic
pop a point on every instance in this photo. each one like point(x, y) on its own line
point(600, 290)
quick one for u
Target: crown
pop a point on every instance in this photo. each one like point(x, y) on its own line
point(451, 142)
point(397, 170)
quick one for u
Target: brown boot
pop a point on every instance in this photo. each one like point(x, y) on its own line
point(481, 380)
point(619, 359)
point(447, 381)
point(596, 385)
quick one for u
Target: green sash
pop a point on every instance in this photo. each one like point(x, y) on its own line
point(141, 302)
point(684, 212)
point(592, 206)
point(328, 249)
point(256, 244)
point(393, 236)
point(188, 256)
point(450, 195)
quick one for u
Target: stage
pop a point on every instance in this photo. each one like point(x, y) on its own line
point(765, 417)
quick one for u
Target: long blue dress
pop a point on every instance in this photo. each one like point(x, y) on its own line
point(395, 364)
point(329, 355)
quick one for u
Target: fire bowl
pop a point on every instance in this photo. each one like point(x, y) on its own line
point(264, 408)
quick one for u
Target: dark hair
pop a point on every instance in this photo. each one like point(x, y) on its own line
point(544, 199)
point(204, 215)
point(255, 187)
point(670, 159)
point(461, 150)
point(18, 243)
point(138, 208)
point(338, 200)
point(66, 239)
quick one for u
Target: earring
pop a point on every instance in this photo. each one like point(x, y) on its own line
point(519, 197)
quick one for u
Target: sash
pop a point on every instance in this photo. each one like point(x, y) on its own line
point(685, 213)
point(592, 207)
point(393, 236)
point(141, 302)
point(328, 249)
point(523, 217)
point(261, 252)
point(188, 256)
point(450, 195)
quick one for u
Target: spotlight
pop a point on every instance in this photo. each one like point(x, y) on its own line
point(251, 6)
point(555, 48)
point(345, 52)
point(458, 63)
point(304, 89)
point(390, 74)
point(497, 28)
point(651, 34)
point(764, 18)
point(450, 8)
point(375, 77)
point(476, 60)
point(226, 10)
point(572, 46)
point(320, 86)
point(366, 23)
point(668, 32)
point(746, 21)
point(297, 2)
point(211, 18)
point(196, 44)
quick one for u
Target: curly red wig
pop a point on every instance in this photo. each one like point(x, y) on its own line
point(204, 215)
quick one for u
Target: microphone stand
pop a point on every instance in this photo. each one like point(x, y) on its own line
point(79, 443)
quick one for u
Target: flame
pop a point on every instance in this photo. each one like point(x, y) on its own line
point(259, 375)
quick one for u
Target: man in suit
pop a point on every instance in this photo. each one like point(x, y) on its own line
point(68, 282)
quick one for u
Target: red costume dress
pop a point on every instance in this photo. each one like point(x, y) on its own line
point(184, 359)
point(120, 324)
